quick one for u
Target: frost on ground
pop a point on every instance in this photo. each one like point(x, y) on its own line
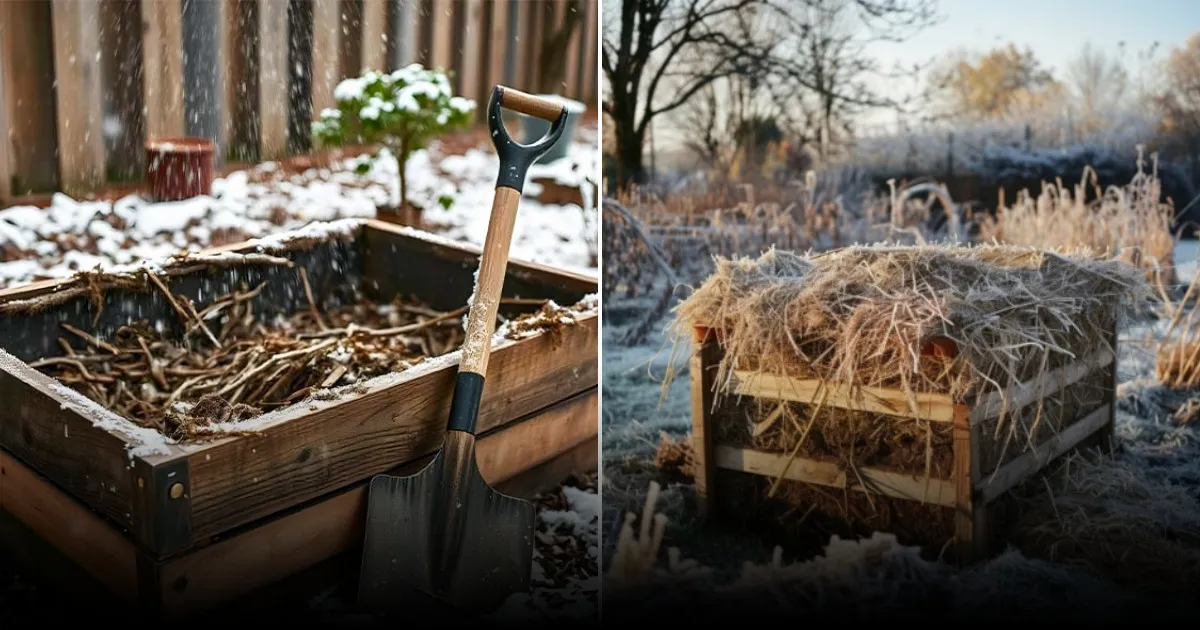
point(74, 235)
point(1107, 538)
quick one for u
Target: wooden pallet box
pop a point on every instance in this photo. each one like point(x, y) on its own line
point(185, 526)
point(944, 501)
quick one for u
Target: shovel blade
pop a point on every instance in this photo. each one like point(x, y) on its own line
point(444, 540)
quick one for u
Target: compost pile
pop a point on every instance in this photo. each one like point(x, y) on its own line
point(880, 316)
point(255, 363)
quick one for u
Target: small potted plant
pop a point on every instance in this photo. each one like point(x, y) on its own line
point(400, 111)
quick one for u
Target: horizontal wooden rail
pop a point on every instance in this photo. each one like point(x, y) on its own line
point(1028, 392)
point(994, 484)
point(935, 407)
point(900, 485)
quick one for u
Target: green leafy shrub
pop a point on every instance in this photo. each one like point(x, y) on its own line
point(401, 110)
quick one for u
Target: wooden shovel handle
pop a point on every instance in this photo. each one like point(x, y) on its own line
point(529, 104)
point(481, 323)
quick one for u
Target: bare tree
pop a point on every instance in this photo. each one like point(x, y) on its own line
point(1098, 83)
point(806, 47)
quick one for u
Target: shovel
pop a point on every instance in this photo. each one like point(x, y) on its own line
point(443, 539)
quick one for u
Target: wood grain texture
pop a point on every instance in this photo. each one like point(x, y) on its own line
point(342, 442)
point(26, 37)
point(519, 101)
point(93, 543)
point(162, 67)
point(272, 79)
point(79, 94)
point(934, 407)
point(326, 58)
point(247, 561)
point(485, 300)
point(89, 462)
point(702, 364)
point(993, 484)
point(374, 35)
point(900, 485)
point(1048, 384)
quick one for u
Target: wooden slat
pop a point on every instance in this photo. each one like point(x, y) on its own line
point(497, 49)
point(314, 451)
point(242, 563)
point(272, 79)
point(578, 33)
point(970, 514)
point(441, 18)
point(1052, 382)
point(994, 484)
point(521, 45)
point(935, 407)
point(69, 526)
point(589, 74)
point(79, 96)
point(374, 35)
point(899, 485)
point(703, 362)
point(404, 33)
point(6, 171)
point(326, 69)
point(162, 67)
point(472, 42)
point(50, 437)
point(28, 75)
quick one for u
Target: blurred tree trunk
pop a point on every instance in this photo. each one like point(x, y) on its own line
point(552, 68)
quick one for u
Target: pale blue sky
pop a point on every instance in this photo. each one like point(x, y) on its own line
point(1054, 29)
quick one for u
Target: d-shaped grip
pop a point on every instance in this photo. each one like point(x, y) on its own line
point(516, 158)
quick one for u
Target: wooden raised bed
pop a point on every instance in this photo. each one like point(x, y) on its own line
point(977, 479)
point(183, 527)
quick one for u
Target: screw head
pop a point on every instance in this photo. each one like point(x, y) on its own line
point(176, 490)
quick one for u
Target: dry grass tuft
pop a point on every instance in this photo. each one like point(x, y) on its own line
point(675, 458)
point(1128, 222)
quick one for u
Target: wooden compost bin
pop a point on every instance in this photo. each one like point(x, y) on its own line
point(980, 474)
point(184, 527)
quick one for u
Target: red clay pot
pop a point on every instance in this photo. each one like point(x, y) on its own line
point(179, 168)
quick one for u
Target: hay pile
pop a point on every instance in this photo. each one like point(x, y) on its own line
point(879, 315)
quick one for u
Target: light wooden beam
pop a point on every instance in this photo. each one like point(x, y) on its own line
point(28, 76)
point(5, 124)
point(571, 89)
point(441, 47)
point(935, 407)
point(326, 55)
point(78, 92)
point(374, 35)
point(272, 78)
point(589, 90)
point(497, 48)
point(162, 67)
point(472, 42)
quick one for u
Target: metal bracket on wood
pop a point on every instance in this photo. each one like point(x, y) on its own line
point(162, 498)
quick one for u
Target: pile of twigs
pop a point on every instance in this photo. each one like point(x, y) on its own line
point(250, 365)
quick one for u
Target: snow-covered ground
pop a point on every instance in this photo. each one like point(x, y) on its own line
point(1156, 457)
point(72, 235)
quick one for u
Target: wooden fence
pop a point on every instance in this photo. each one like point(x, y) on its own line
point(84, 83)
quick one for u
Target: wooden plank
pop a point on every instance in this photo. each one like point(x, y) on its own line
point(934, 407)
point(272, 79)
point(78, 94)
point(162, 67)
point(404, 34)
point(521, 34)
point(69, 526)
point(6, 170)
point(899, 485)
point(703, 363)
point(472, 42)
point(309, 452)
point(1027, 393)
point(28, 75)
point(374, 35)
point(351, 39)
point(1105, 435)
point(388, 237)
point(1006, 477)
point(570, 87)
point(497, 49)
point(441, 45)
point(326, 59)
point(589, 89)
point(247, 561)
point(50, 436)
point(970, 513)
